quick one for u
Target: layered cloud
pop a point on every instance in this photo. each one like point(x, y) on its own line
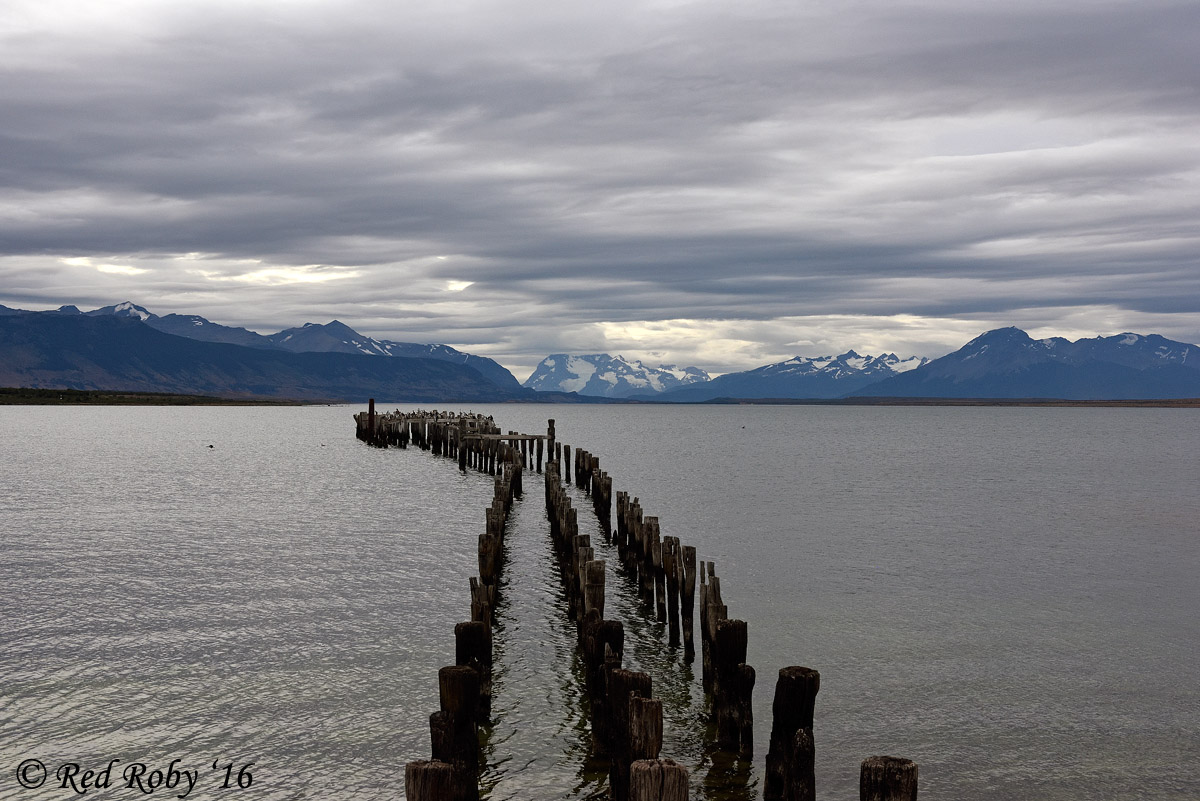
point(715, 184)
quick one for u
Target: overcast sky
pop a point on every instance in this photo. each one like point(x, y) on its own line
point(720, 184)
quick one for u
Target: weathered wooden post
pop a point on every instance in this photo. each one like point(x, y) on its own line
point(371, 421)
point(645, 728)
point(733, 687)
point(473, 648)
point(593, 587)
point(481, 601)
point(712, 612)
point(452, 729)
point(886, 778)
point(789, 775)
point(672, 568)
point(660, 576)
point(428, 780)
point(539, 455)
point(567, 463)
point(658, 780)
point(623, 686)
point(688, 591)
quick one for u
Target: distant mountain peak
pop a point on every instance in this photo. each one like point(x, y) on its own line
point(124, 309)
point(1007, 334)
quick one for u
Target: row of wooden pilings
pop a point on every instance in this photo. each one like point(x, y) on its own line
point(627, 722)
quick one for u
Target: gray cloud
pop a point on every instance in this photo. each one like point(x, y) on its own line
point(726, 179)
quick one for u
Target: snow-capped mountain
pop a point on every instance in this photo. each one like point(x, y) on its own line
point(802, 377)
point(609, 376)
point(1008, 363)
point(126, 309)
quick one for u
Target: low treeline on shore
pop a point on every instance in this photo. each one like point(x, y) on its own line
point(25, 396)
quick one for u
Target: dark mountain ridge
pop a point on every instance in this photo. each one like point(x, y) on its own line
point(332, 337)
point(111, 352)
point(1008, 363)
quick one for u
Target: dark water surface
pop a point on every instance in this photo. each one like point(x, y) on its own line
point(1007, 596)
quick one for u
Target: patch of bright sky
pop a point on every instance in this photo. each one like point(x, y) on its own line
point(104, 267)
point(275, 276)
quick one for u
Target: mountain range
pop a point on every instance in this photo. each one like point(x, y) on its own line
point(332, 337)
point(126, 347)
point(801, 377)
point(1008, 363)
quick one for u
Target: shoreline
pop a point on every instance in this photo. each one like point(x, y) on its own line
point(24, 396)
point(12, 396)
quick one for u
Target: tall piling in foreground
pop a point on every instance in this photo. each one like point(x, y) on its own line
point(790, 772)
point(623, 687)
point(885, 778)
point(733, 686)
point(452, 730)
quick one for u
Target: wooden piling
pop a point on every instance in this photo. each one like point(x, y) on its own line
point(473, 648)
point(623, 687)
point(429, 780)
point(733, 688)
point(658, 780)
point(671, 569)
point(885, 778)
point(789, 774)
point(481, 602)
point(688, 599)
point(453, 732)
point(593, 588)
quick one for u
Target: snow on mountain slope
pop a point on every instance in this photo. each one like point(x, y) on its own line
point(802, 377)
point(608, 376)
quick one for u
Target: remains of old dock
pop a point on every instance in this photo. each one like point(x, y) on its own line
point(626, 720)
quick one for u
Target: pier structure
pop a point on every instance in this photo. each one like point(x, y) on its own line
point(626, 720)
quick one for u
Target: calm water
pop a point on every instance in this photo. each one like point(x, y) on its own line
point(1006, 596)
